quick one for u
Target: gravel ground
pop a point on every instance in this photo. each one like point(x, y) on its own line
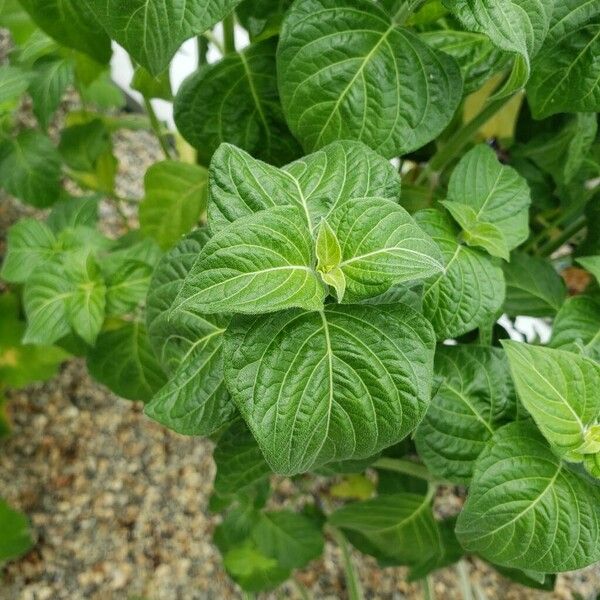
point(118, 504)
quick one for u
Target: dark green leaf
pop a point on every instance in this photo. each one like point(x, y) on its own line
point(150, 86)
point(82, 145)
point(16, 537)
point(577, 326)
point(51, 77)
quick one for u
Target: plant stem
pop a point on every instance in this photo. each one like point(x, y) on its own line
point(406, 467)
point(156, 127)
point(208, 36)
point(464, 580)
point(428, 591)
point(442, 158)
point(554, 244)
point(352, 581)
point(229, 34)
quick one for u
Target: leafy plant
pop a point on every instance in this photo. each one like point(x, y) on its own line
point(314, 307)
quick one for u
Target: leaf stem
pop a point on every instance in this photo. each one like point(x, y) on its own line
point(442, 158)
point(229, 34)
point(464, 580)
point(157, 128)
point(208, 36)
point(352, 580)
point(554, 244)
point(427, 585)
point(406, 467)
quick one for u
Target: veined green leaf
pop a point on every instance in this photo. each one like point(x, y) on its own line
point(566, 73)
point(561, 391)
point(341, 64)
point(591, 463)
point(16, 537)
point(526, 509)
point(252, 570)
point(13, 84)
point(469, 292)
point(399, 528)
point(72, 213)
point(122, 360)
point(260, 263)
point(150, 86)
point(381, 246)
point(194, 400)
point(312, 388)
point(577, 326)
point(591, 264)
point(533, 287)
point(241, 185)
point(30, 243)
point(474, 396)
point(72, 24)
point(517, 26)
point(30, 168)
point(175, 197)
point(262, 18)
point(152, 30)
point(497, 193)
point(236, 100)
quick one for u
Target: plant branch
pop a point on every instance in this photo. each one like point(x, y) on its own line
point(156, 127)
point(209, 36)
point(554, 244)
point(427, 585)
point(442, 158)
point(407, 467)
point(352, 580)
point(229, 34)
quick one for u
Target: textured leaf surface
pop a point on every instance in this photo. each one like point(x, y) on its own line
point(153, 30)
point(194, 400)
point(241, 185)
point(236, 100)
point(13, 84)
point(261, 263)
point(577, 326)
point(30, 168)
point(122, 360)
point(474, 396)
point(471, 289)
point(51, 78)
point(347, 70)
point(566, 72)
point(313, 389)
point(399, 527)
point(526, 509)
point(175, 197)
point(560, 390)
point(72, 24)
point(533, 287)
point(381, 246)
point(497, 193)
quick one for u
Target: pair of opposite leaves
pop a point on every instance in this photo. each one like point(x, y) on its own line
point(314, 383)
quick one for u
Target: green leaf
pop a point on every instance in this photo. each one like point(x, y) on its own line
point(497, 193)
point(475, 395)
point(566, 73)
point(262, 18)
point(236, 100)
point(561, 391)
point(261, 263)
point(527, 510)
point(477, 57)
point(240, 463)
point(329, 253)
point(175, 197)
point(381, 246)
point(194, 400)
point(152, 31)
point(517, 26)
point(353, 487)
point(30, 243)
point(400, 528)
point(16, 537)
point(17, 21)
point(150, 86)
point(577, 326)
point(471, 289)
point(476, 233)
point(22, 364)
point(591, 463)
point(122, 360)
point(533, 287)
point(252, 570)
point(81, 146)
point(30, 168)
point(591, 264)
point(51, 77)
point(291, 539)
point(313, 389)
point(72, 213)
point(14, 81)
point(539, 581)
point(241, 185)
point(347, 70)
point(72, 24)
point(103, 93)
